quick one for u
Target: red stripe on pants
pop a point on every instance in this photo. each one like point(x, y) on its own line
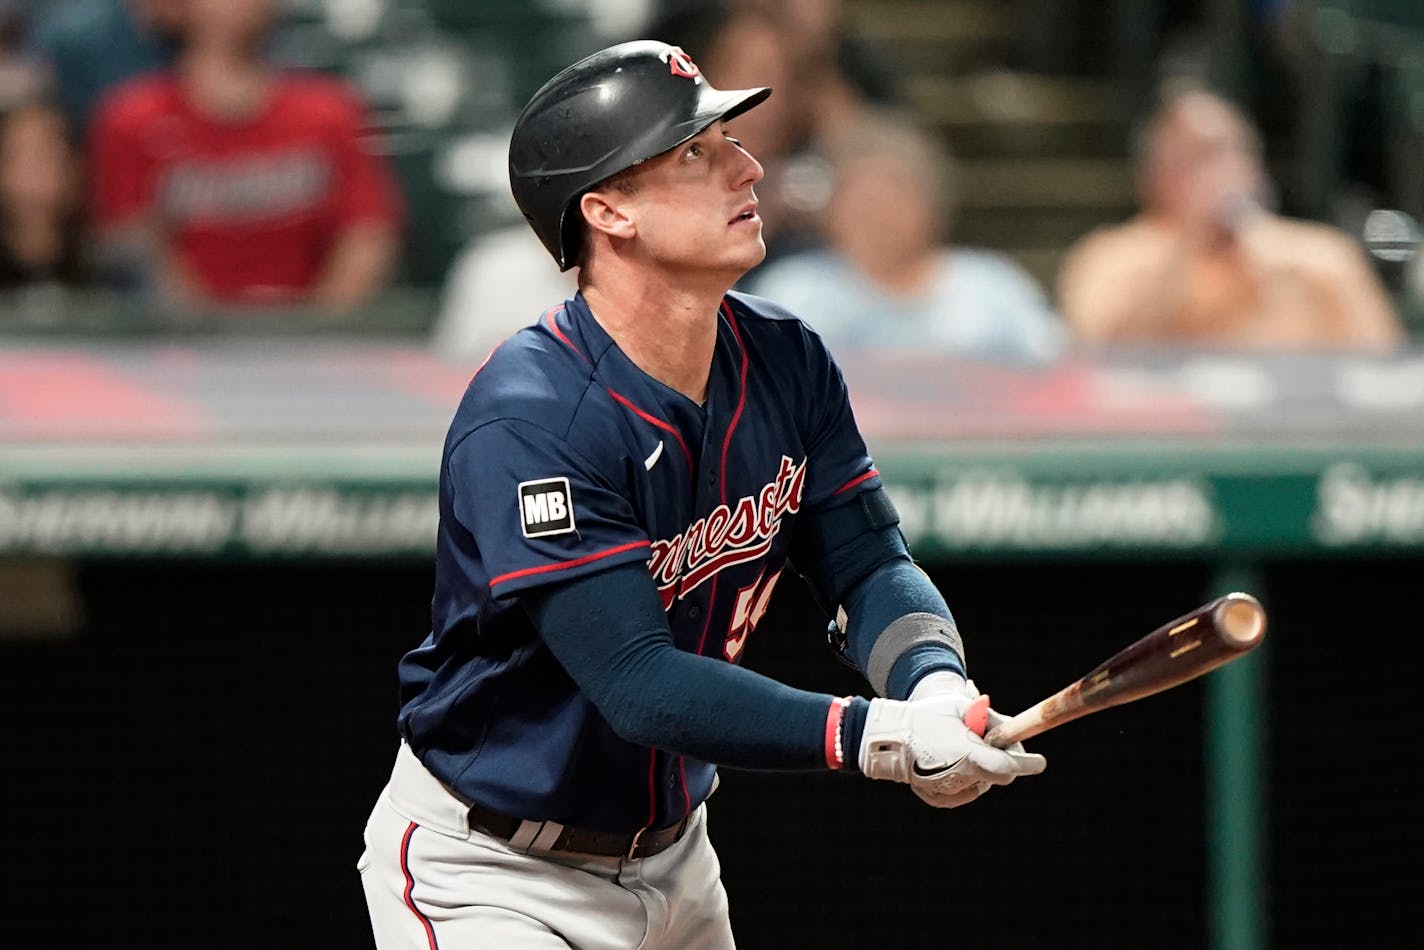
point(410, 888)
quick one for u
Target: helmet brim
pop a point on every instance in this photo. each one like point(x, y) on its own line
point(713, 105)
point(738, 101)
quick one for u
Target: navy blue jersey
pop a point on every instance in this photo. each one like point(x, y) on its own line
point(564, 459)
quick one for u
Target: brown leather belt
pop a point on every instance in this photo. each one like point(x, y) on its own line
point(643, 843)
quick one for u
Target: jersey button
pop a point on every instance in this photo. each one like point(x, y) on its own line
point(694, 612)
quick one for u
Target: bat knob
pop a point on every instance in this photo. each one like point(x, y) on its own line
point(976, 717)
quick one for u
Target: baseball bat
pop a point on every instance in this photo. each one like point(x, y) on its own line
point(1197, 642)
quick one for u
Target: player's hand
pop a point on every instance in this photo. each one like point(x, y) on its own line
point(943, 683)
point(947, 682)
point(925, 744)
point(953, 790)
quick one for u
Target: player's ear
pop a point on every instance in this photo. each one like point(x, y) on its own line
point(606, 212)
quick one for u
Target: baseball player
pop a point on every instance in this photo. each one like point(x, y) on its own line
point(622, 487)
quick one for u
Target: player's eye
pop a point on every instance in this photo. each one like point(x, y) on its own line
point(735, 141)
point(694, 150)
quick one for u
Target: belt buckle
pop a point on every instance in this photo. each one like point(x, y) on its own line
point(633, 845)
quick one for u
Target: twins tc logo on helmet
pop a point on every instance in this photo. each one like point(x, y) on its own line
point(680, 63)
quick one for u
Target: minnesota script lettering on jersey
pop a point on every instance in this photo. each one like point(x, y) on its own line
point(728, 535)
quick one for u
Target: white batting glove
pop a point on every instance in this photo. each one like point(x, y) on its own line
point(951, 791)
point(956, 792)
point(924, 743)
point(943, 682)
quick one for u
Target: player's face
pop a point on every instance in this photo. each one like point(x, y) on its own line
point(695, 209)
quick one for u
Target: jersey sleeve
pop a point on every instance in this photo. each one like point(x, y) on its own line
point(541, 512)
point(839, 465)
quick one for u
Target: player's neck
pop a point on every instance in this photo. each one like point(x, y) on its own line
point(668, 333)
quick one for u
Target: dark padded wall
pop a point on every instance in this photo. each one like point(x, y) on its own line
point(195, 767)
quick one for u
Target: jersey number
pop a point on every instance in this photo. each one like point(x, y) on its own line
point(751, 605)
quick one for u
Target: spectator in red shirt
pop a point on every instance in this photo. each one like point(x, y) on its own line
point(227, 183)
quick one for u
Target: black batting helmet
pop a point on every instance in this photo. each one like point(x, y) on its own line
point(605, 113)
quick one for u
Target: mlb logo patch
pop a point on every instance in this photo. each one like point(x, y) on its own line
point(545, 507)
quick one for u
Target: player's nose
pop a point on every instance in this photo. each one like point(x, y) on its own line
point(747, 170)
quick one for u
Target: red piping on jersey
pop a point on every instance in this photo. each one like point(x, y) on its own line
point(741, 398)
point(488, 357)
point(561, 565)
point(707, 623)
point(652, 788)
point(645, 416)
point(727, 444)
point(410, 888)
point(655, 421)
point(854, 482)
point(554, 329)
point(701, 642)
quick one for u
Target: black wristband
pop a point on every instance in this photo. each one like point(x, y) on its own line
point(852, 729)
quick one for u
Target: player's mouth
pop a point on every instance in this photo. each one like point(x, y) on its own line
point(748, 213)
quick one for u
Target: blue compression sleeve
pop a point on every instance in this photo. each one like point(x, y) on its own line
point(855, 556)
point(609, 632)
point(891, 591)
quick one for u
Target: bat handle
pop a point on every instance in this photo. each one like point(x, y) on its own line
point(1025, 725)
point(976, 717)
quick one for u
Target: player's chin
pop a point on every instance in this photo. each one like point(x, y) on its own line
point(750, 250)
point(743, 265)
point(734, 257)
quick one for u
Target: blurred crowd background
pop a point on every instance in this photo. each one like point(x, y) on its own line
point(1002, 180)
point(212, 553)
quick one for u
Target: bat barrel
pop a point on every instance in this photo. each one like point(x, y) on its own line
point(1241, 620)
point(1215, 633)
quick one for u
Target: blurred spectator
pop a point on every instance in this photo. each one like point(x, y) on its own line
point(738, 48)
point(1205, 262)
point(838, 69)
point(838, 77)
point(92, 45)
point(1414, 294)
point(841, 72)
point(503, 281)
point(742, 49)
point(834, 77)
point(228, 182)
point(41, 191)
point(822, 76)
point(889, 278)
point(22, 74)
